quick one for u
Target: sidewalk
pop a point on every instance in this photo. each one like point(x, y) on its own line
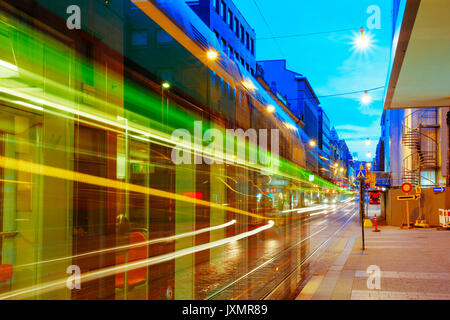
point(415, 265)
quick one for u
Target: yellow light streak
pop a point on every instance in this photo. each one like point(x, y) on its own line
point(34, 168)
point(89, 276)
point(134, 245)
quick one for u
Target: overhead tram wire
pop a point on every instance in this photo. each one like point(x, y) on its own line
point(268, 27)
point(338, 94)
point(307, 34)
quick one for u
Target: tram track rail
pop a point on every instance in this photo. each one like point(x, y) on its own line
point(284, 251)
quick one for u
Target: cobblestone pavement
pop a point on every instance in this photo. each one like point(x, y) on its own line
point(414, 265)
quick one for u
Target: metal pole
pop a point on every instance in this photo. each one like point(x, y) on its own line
point(407, 213)
point(367, 203)
point(361, 210)
point(448, 149)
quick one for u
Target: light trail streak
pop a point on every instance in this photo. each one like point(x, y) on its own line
point(39, 169)
point(93, 275)
point(306, 209)
point(134, 245)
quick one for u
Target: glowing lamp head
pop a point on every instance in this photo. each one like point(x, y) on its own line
point(312, 143)
point(369, 154)
point(341, 169)
point(270, 108)
point(212, 54)
point(366, 99)
point(166, 85)
point(363, 41)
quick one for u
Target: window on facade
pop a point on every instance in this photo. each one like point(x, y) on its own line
point(236, 26)
point(162, 37)
point(252, 71)
point(252, 46)
point(247, 67)
point(230, 19)
point(224, 45)
point(216, 5)
point(216, 33)
point(230, 50)
point(247, 40)
point(242, 34)
point(242, 61)
point(236, 55)
point(139, 38)
point(223, 10)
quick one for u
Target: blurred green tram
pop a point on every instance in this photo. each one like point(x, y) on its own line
point(85, 153)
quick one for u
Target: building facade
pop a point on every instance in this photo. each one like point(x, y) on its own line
point(301, 99)
point(236, 36)
point(323, 143)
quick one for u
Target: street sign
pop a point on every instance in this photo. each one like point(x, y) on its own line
point(439, 189)
point(367, 186)
point(409, 197)
point(406, 187)
point(371, 179)
point(361, 173)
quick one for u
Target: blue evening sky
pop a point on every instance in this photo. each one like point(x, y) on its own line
point(328, 60)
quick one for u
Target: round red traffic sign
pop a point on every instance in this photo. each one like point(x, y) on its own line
point(407, 187)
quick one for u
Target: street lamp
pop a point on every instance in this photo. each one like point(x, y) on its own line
point(312, 143)
point(362, 41)
point(166, 85)
point(368, 142)
point(369, 154)
point(270, 108)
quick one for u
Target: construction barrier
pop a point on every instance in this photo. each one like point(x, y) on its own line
point(444, 218)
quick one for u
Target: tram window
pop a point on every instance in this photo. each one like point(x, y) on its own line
point(7, 54)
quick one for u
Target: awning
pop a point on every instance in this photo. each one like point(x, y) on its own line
point(420, 67)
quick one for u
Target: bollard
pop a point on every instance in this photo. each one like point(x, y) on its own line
point(375, 224)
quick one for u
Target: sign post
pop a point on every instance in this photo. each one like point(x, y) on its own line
point(361, 176)
point(406, 188)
